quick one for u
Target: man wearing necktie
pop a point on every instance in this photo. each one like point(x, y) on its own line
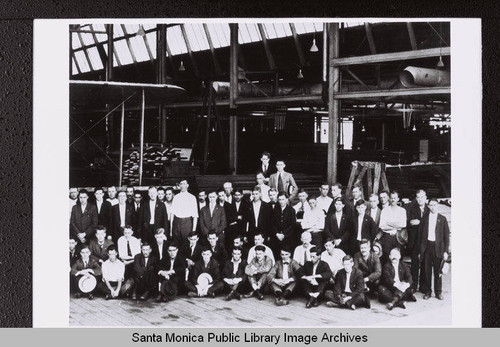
point(145, 276)
point(266, 166)
point(171, 273)
point(85, 266)
point(314, 276)
point(99, 246)
point(283, 277)
point(283, 181)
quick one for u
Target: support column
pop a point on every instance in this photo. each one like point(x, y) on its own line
point(333, 104)
point(109, 77)
point(141, 140)
point(383, 137)
point(122, 131)
point(161, 76)
point(233, 94)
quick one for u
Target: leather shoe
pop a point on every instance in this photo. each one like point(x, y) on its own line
point(310, 303)
point(192, 294)
point(427, 296)
point(412, 298)
point(159, 298)
point(315, 302)
point(108, 296)
point(401, 305)
point(259, 295)
point(91, 297)
point(249, 295)
point(330, 304)
point(144, 296)
point(390, 306)
point(440, 297)
point(78, 295)
point(211, 295)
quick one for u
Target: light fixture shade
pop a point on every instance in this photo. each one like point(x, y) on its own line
point(314, 48)
point(141, 31)
point(187, 129)
point(440, 62)
point(181, 67)
point(363, 128)
point(300, 76)
point(414, 128)
point(244, 129)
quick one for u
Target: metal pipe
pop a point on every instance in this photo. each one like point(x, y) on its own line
point(265, 89)
point(325, 53)
point(122, 130)
point(141, 156)
point(418, 76)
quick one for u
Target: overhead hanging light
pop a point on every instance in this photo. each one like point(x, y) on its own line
point(363, 129)
point(314, 48)
point(300, 76)
point(141, 31)
point(181, 67)
point(440, 63)
point(244, 129)
point(187, 129)
point(213, 129)
point(414, 128)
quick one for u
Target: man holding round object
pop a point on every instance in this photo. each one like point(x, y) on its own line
point(87, 273)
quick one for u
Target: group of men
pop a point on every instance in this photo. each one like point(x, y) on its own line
point(323, 247)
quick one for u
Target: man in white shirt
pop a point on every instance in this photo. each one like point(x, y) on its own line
point(73, 198)
point(333, 257)
point(314, 222)
point(301, 254)
point(302, 206)
point(264, 188)
point(113, 275)
point(228, 191)
point(259, 241)
point(392, 219)
point(112, 196)
point(324, 201)
point(184, 213)
point(128, 248)
point(396, 282)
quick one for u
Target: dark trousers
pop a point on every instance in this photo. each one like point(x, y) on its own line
point(279, 289)
point(103, 288)
point(388, 242)
point(357, 299)
point(181, 229)
point(432, 264)
point(309, 288)
point(386, 295)
point(242, 287)
point(317, 239)
point(215, 288)
point(169, 288)
point(147, 282)
point(412, 251)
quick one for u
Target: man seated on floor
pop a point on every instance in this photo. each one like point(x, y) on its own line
point(205, 278)
point(192, 251)
point(369, 265)
point(258, 239)
point(219, 253)
point(314, 222)
point(257, 270)
point(349, 287)
point(233, 274)
point(86, 266)
point(396, 282)
point(128, 247)
point(160, 247)
point(282, 277)
point(171, 273)
point(99, 246)
point(314, 275)
point(113, 275)
point(145, 276)
point(333, 257)
point(302, 253)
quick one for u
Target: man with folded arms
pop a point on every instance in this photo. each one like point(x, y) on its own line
point(369, 264)
point(259, 241)
point(113, 275)
point(257, 270)
point(282, 277)
point(392, 219)
point(99, 246)
point(233, 274)
point(184, 214)
point(314, 222)
point(85, 266)
point(171, 274)
point(349, 287)
point(284, 224)
point(301, 253)
point(314, 275)
point(145, 276)
point(396, 282)
point(211, 270)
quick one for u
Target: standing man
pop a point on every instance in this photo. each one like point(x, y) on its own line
point(337, 193)
point(315, 274)
point(373, 209)
point(323, 200)
point(283, 181)
point(363, 226)
point(161, 194)
point(171, 274)
point(153, 216)
point(416, 212)
point(264, 188)
point(266, 167)
point(284, 224)
point(73, 198)
point(122, 214)
point(137, 208)
point(258, 217)
point(338, 226)
point(184, 213)
point(273, 198)
point(392, 219)
point(169, 197)
point(103, 208)
point(283, 277)
point(83, 219)
point(202, 199)
point(112, 196)
point(130, 195)
point(314, 222)
point(434, 244)
point(228, 191)
point(212, 218)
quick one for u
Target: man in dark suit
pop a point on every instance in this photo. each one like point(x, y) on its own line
point(314, 276)
point(137, 203)
point(416, 212)
point(434, 244)
point(338, 226)
point(283, 181)
point(363, 226)
point(122, 214)
point(85, 266)
point(349, 287)
point(83, 219)
point(233, 275)
point(191, 250)
point(207, 266)
point(369, 264)
point(160, 247)
point(336, 191)
point(145, 276)
point(396, 281)
point(266, 167)
point(235, 217)
point(258, 217)
point(171, 274)
point(284, 226)
point(219, 253)
point(153, 215)
point(99, 245)
point(283, 277)
point(74, 255)
point(212, 218)
point(373, 209)
point(103, 209)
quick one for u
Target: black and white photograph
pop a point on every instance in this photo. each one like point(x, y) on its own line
point(260, 173)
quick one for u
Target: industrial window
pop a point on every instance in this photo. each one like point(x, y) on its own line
point(82, 61)
point(95, 59)
point(196, 36)
point(248, 33)
point(175, 40)
point(219, 33)
point(123, 52)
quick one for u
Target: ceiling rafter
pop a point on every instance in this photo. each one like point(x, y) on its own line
point(127, 39)
point(269, 54)
point(85, 52)
point(190, 51)
point(212, 50)
point(298, 45)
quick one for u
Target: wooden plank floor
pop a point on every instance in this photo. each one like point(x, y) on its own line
point(250, 312)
